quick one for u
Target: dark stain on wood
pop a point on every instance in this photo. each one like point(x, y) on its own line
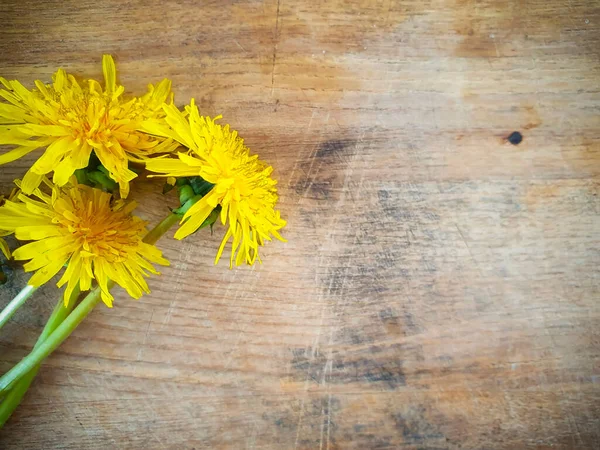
point(334, 148)
point(321, 171)
point(388, 374)
point(354, 336)
point(375, 365)
point(515, 138)
point(396, 205)
point(316, 190)
point(319, 414)
point(414, 426)
point(398, 324)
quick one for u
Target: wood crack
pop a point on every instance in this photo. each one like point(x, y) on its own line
point(275, 48)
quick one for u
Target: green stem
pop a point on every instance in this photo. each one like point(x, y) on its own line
point(155, 233)
point(16, 303)
point(51, 343)
point(15, 395)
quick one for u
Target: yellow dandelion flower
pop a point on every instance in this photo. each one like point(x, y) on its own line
point(242, 187)
point(78, 225)
point(71, 120)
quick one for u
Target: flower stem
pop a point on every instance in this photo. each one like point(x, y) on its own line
point(50, 344)
point(15, 395)
point(68, 325)
point(155, 233)
point(16, 303)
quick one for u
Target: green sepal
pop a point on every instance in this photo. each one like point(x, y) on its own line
point(102, 181)
point(187, 205)
point(211, 219)
point(96, 176)
point(103, 169)
point(82, 177)
point(186, 193)
point(191, 190)
point(200, 186)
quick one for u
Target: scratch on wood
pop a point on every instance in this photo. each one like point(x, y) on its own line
point(275, 48)
point(139, 354)
point(298, 160)
point(239, 45)
point(328, 420)
point(496, 47)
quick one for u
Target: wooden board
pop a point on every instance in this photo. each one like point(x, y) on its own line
point(440, 287)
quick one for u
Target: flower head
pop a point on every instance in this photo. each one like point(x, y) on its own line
point(71, 120)
point(243, 188)
point(78, 225)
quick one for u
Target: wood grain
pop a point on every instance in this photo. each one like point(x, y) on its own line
point(440, 286)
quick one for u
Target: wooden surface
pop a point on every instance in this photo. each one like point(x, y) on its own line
point(440, 287)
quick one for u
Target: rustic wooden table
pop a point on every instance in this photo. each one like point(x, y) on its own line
point(440, 287)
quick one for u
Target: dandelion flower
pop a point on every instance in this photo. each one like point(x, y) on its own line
point(78, 225)
point(243, 187)
point(70, 120)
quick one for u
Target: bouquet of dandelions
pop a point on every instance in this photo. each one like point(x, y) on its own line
point(80, 221)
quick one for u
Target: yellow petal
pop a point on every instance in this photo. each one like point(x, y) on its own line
point(31, 250)
point(35, 232)
point(31, 180)
point(45, 273)
point(161, 92)
point(63, 172)
point(157, 128)
point(190, 161)
point(60, 78)
point(110, 73)
point(171, 167)
point(4, 248)
point(73, 270)
point(86, 274)
point(222, 246)
point(102, 279)
point(47, 130)
point(80, 156)
point(199, 207)
point(53, 155)
point(194, 221)
point(15, 154)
